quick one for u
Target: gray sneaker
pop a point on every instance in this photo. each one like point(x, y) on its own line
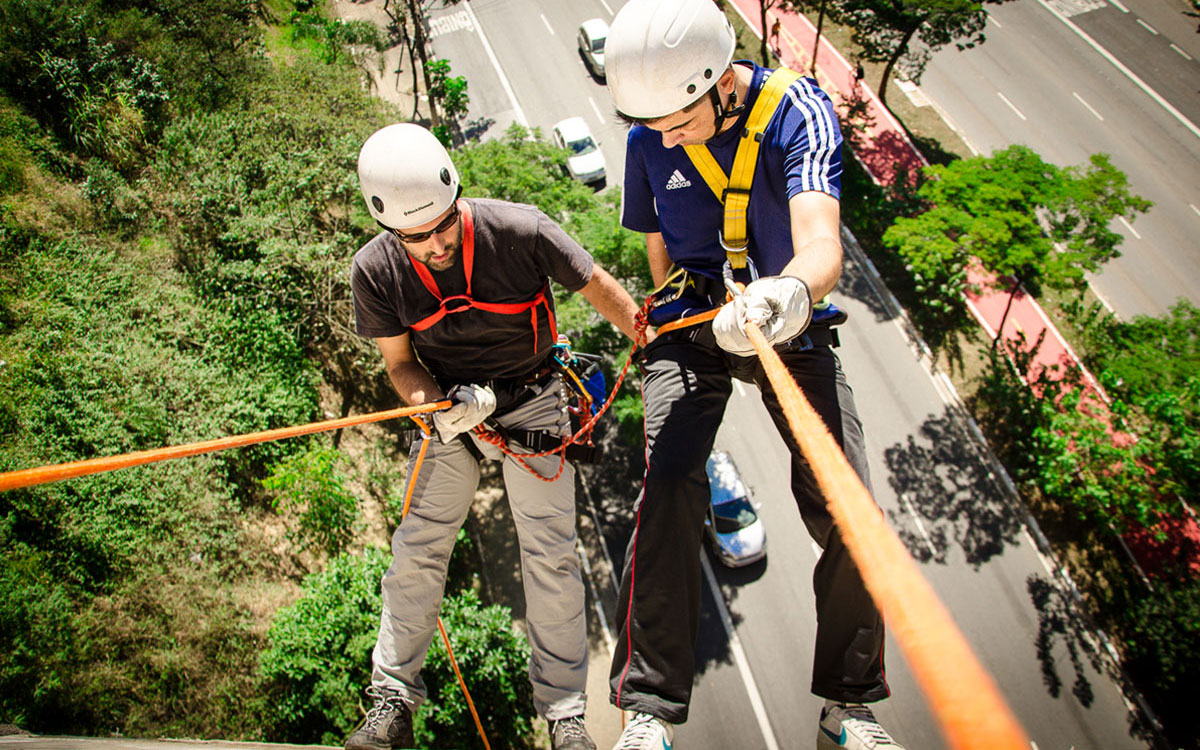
point(570, 734)
point(852, 726)
point(388, 724)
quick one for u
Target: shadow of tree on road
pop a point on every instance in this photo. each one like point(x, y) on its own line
point(949, 494)
point(1058, 624)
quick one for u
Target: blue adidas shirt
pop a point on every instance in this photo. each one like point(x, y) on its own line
point(801, 151)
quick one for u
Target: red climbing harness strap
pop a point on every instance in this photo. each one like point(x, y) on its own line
point(459, 302)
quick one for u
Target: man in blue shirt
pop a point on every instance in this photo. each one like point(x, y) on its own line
point(669, 71)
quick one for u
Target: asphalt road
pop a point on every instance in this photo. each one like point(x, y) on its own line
point(1037, 81)
point(754, 651)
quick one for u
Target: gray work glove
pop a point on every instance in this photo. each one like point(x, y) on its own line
point(781, 306)
point(472, 404)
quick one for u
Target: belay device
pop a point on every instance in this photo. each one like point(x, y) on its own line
point(583, 376)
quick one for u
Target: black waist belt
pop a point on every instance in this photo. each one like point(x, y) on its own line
point(813, 336)
point(538, 442)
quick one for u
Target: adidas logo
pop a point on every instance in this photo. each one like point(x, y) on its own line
point(678, 181)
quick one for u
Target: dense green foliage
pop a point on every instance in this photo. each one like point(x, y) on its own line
point(319, 660)
point(178, 207)
point(1066, 458)
point(1021, 219)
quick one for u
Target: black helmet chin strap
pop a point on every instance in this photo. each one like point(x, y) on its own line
point(724, 112)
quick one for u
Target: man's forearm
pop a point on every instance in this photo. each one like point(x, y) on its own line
point(414, 384)
point(612, 301)
point(819, 264)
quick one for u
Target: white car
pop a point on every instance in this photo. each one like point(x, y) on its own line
point(591, 37)
point(586, 161)
point(734, 530)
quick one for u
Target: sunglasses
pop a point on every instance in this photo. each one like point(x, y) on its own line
point(442, 226)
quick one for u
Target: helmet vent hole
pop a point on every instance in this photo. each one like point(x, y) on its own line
point(691, 89)
point(377, 203)
point(707, 73)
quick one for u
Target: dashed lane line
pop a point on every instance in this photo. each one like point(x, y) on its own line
point(1011, 106)
point(1175, 47)
point(547, 23)
point(739, 657)
point(1147, 27)
point(1089, 107)
point(596, 109)
point(1129, 226)
point(1183, 120)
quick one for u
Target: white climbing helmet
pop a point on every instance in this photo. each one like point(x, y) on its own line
point(406, 176)
point(662, 55)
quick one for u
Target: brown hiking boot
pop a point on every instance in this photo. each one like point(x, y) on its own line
point(388, 725)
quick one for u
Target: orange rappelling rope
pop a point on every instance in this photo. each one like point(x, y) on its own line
point(962, 695)
point(41, 475)
point(426, 435)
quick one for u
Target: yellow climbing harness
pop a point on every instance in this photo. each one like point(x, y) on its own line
point(733, 190)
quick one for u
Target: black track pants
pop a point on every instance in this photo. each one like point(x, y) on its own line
point(687, 382)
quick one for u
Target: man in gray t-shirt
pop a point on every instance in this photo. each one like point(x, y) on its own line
point(456, 293)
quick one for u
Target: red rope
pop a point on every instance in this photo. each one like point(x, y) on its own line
point(583, 435)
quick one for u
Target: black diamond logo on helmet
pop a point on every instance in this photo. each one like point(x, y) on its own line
point(445, 175)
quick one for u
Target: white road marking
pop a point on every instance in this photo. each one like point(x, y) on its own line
point(1103, 301)
point(1089, 107)
point(993, 20)
point(741, 389)
point(599, 115)
point(1129, 226)
point(1197, 210)
point(599, 605)
point(1011, 105)
point(1120, 5)
point(1186, 56)
point(547, 24)
point(449, 22)
point(512, 98)
point(1121, 67)
point(1148, 27)
point(610, 10)
point(816, 548)
point(739, 658)
point(920, 526)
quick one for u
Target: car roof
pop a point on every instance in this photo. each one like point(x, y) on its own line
point(723, 479)
point(572, 128)
point(595, 27)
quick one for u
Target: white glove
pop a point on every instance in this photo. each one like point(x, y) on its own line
point(472, 404)
point(780, 305)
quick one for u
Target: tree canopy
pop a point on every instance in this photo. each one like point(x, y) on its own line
point(1018, 217)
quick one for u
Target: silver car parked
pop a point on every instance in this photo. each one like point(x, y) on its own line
point(734, 530)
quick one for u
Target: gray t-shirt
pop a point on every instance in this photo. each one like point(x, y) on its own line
point(517, 248)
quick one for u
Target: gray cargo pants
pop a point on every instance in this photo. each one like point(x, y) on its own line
point(544, 513)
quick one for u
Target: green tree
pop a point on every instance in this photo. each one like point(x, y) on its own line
point(1018, 217)
point(449, 94)
point(885, 30)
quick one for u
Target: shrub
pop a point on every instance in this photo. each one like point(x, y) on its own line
point(319, 661)
point(313, 484)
